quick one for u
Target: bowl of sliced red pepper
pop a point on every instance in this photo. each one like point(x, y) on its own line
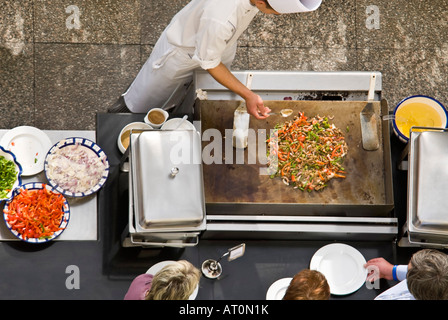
point(37, 213)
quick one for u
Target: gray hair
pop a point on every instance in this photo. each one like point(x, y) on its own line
point(427, 277)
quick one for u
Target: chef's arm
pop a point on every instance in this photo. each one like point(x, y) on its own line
point(254, 103)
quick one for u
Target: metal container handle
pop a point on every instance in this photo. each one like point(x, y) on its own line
point(165, 244)
point(424, 244)
point(427, 129)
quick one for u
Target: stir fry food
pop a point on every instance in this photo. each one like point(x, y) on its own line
point(35, 213)
point(308, 152)
point(8, 176)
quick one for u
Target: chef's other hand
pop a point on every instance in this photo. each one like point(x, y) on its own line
point(381, 269)
point(256, 107)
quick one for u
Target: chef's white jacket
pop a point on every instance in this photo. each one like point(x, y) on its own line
point(202, 35)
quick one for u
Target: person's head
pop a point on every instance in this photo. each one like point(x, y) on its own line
point(308, 285)
point(427, 276)
point(176, 281)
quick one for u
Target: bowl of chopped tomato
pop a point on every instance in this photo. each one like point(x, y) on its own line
point(37, 213)
point(10, 174)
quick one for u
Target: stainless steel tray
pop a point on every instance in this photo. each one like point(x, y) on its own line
point(166, 178)
point(428, 186)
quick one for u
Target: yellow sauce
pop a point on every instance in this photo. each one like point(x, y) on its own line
point(416, 114)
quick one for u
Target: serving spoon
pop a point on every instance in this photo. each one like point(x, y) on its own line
point(181, 122)
point(394, 117)
point(284, 113)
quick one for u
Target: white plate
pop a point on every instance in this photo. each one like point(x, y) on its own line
point(174, 122)
point(342, 266)
point(277, 290)
point(30, 145)
point(160, 265)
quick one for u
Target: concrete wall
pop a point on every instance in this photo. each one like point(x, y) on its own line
point(62, 61)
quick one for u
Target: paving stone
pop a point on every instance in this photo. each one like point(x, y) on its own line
point(407, 72)
point(54, 63)
point(16, 64)
point(73, 82)
point(16, 25)
point(88, 21)
point(302, 59)
point(156, 15)
point(16, 87)
point(399, 24)
point(331, 26)
point(406, 41)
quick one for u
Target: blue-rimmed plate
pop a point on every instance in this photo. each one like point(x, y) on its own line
point(76, 167)
point(8, 155)
point(36, 186)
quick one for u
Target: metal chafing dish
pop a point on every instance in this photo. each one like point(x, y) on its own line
point(166, 196)
point(427, 217)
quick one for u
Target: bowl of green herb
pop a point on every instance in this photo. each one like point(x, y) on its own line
point(10, 174)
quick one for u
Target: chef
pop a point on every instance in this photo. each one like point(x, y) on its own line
point(203, 35)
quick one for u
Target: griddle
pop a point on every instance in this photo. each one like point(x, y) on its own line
point(237, 187)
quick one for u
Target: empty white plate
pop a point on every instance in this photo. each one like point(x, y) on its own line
point(342, 266)
point(277, 290)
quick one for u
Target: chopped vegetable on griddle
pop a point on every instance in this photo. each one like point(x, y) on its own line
point(309, 152)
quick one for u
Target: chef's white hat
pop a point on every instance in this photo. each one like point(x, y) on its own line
point(293, 6)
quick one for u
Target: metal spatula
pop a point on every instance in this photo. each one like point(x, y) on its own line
point(369, 123)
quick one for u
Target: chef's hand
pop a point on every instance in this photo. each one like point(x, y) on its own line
point(379, 268)
point(254, 103)
point(256, 107)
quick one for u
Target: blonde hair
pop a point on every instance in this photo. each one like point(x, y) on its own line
point(427, 277)
point(176, 281)
point(308, 285)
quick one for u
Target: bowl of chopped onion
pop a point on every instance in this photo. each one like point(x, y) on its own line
point(37, 213)
point(10, 174)
point(76, 167)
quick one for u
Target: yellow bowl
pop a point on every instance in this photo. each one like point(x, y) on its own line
point(418, 111)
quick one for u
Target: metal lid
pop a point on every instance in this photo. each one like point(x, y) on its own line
point(167, 182)
point(428, 183)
